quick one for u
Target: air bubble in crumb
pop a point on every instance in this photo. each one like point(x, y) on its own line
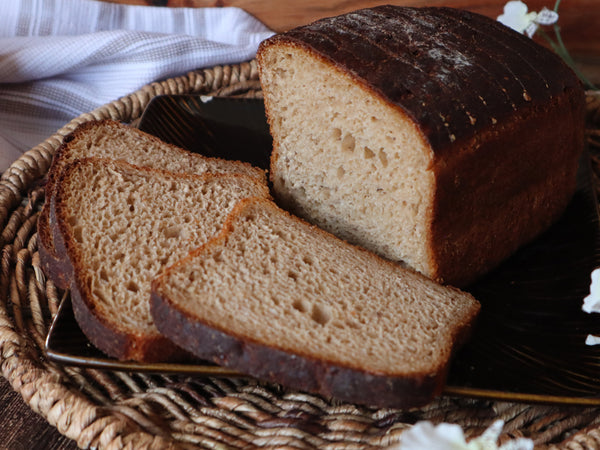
point(308, 259)
point(173, 231)
point(301, 305)
point(320, 314)
point(348, 143)
point(383, 158)
point(132, 286)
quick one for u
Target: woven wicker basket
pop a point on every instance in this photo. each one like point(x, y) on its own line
point(104, 409)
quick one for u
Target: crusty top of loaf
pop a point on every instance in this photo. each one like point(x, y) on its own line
point(454, 72)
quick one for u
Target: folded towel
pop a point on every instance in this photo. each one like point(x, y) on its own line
point(61, 58)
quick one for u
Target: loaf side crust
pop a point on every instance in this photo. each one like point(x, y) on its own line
point(492, 200)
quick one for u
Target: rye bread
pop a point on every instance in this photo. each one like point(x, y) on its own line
point(114, 140)
point(118, 225)
point(281, 300)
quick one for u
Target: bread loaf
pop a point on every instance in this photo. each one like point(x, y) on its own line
point(119, 225)
point(113, 140)
point(432, 136)
point(284, 301)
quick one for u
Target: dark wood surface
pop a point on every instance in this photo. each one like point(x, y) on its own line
point(23, 429)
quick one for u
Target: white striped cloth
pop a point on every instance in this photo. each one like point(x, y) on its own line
point(61, 58)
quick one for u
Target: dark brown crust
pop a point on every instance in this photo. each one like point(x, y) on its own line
point(294, 370)
point(56, 269)
point(443, 67)
point(53, 255)
point(48, 262)
point(491, 200)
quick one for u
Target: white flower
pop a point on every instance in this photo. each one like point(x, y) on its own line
point(516, 17)
point(592, 302)
point(424, 435)
point(592, 340)
point(546, 17)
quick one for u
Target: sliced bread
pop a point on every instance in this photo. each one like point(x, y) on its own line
point(114, 140)
point(284, 301)
point(119, 225)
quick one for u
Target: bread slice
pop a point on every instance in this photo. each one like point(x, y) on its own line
point(120, 224)
point(282, 300)
point(113, 140)
point(394, 130)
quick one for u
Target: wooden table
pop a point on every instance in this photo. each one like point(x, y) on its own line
point(21, 428)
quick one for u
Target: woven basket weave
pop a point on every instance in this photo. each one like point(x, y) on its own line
point(103, 409)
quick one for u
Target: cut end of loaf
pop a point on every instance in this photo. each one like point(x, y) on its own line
point(341, 170)
point(252, 299)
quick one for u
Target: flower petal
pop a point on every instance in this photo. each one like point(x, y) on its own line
point(591, 303)
point(423, 435)
point(515, 8)
point(492, 433)
point(518, 444)
point(547, 17)
point(531, 29)
point(592, 340)
point(516, 17)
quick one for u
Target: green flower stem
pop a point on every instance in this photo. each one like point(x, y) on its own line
point(561, 50)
